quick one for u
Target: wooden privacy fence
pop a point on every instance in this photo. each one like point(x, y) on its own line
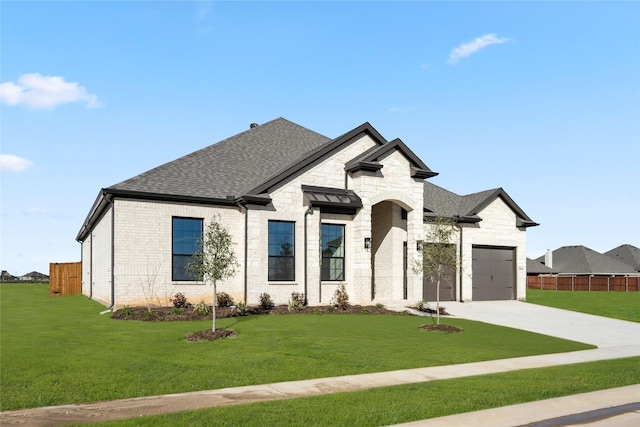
point(65, 278)
point(585, 283)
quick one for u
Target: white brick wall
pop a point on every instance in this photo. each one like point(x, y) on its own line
point(143, 252)
point(96, 269)
point(497, 228)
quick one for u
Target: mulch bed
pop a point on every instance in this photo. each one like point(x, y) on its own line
point(173, 314)
point(443, 328)
point(160, 314)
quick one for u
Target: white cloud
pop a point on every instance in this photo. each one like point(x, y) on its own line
point(45, 92)
point(11, 163)
point(466, 49)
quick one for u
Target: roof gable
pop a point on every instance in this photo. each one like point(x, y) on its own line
point(370, 159)
point(441, 202)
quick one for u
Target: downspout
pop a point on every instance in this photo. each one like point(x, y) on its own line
point(460, 262)
point(91, 266)
point(113, 226)
point(306, 244)
point(113, 251)
point(246, 250)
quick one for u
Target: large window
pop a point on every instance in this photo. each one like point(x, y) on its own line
point(332, 252)
point(187, 236)
point(281, 251)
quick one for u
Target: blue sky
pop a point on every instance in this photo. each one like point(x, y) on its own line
point(540, 98)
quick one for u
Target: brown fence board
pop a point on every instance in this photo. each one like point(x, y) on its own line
point(65, 279)
point(585, 283)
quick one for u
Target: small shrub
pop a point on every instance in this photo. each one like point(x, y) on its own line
point(364, 310)
point(224, 299)
point(379, 306)
point(242, 308)
point(201, 308)
point(266, 303)
point(177, 311)
point(422, 305)
point(150, 314)
point(340, 298)
point(126, 311)
point(179, 300)
point(297, 301)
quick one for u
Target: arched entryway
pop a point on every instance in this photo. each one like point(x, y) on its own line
point(389, 259)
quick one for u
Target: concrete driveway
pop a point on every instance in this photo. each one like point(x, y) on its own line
point(603, 332)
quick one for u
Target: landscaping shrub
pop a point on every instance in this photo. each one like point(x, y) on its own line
point(201, 308)
point(297, 301)
point(223, 299)
point(179, 300)
point(340, 298)
point(266, 303)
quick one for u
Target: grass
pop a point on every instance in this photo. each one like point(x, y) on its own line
point(618, 305)
point(400, 404)
point(57, 351)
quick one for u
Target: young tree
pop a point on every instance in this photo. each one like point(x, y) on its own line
point(215, 259)
point(439, 260)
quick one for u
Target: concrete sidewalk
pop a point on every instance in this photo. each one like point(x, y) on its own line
point(616, 339)
point(617, 407)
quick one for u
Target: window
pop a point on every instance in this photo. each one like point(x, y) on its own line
point(281, 251)
point(332, 252)
point(187, 236)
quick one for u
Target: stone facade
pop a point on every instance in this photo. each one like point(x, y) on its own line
point(127, 256)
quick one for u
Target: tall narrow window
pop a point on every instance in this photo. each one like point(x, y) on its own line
point(187, 235)
point(281, 251)
point(332, 252)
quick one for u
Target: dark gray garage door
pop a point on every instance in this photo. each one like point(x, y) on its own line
point(493, 274)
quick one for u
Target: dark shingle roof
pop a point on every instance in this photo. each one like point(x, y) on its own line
point(627, 254)
point(582, 260)
point(231, 167)
point(438, 201)
point(536, 267)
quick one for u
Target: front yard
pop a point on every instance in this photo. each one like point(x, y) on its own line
point(56, 351)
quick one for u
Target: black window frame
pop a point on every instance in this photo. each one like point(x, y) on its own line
point(329, 257)
point(183, 255)
point(281, 266)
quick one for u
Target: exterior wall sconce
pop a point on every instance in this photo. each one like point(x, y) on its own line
point(367, 243)
point(419, 245)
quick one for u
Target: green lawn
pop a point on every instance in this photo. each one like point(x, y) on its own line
point(400, 404)
point(618, 305)
point(61, 350)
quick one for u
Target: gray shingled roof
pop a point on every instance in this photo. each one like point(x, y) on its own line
point(627, 254)
point(438, 201)
point(582, 260)
point(232, 167)
point(536, 267)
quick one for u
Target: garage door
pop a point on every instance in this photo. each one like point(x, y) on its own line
point(493, 274)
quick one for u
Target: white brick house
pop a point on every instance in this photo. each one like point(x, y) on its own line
point(307, 214)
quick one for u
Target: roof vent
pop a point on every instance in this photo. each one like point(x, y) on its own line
point(253, 125)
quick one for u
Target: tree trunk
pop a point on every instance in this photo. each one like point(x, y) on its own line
point(438, 301)
point(213, 308)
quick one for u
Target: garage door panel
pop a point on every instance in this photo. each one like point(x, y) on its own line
point(493, 273)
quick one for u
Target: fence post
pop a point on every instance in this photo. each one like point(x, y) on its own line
point(572, 282)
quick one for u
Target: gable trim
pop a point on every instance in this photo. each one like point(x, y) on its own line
point(364, 129)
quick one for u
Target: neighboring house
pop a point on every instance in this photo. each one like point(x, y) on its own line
point(627, 254)
point(307, 214)
point(580, 260)
point(34, 276)
point(7, 277)
point(536, 268)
